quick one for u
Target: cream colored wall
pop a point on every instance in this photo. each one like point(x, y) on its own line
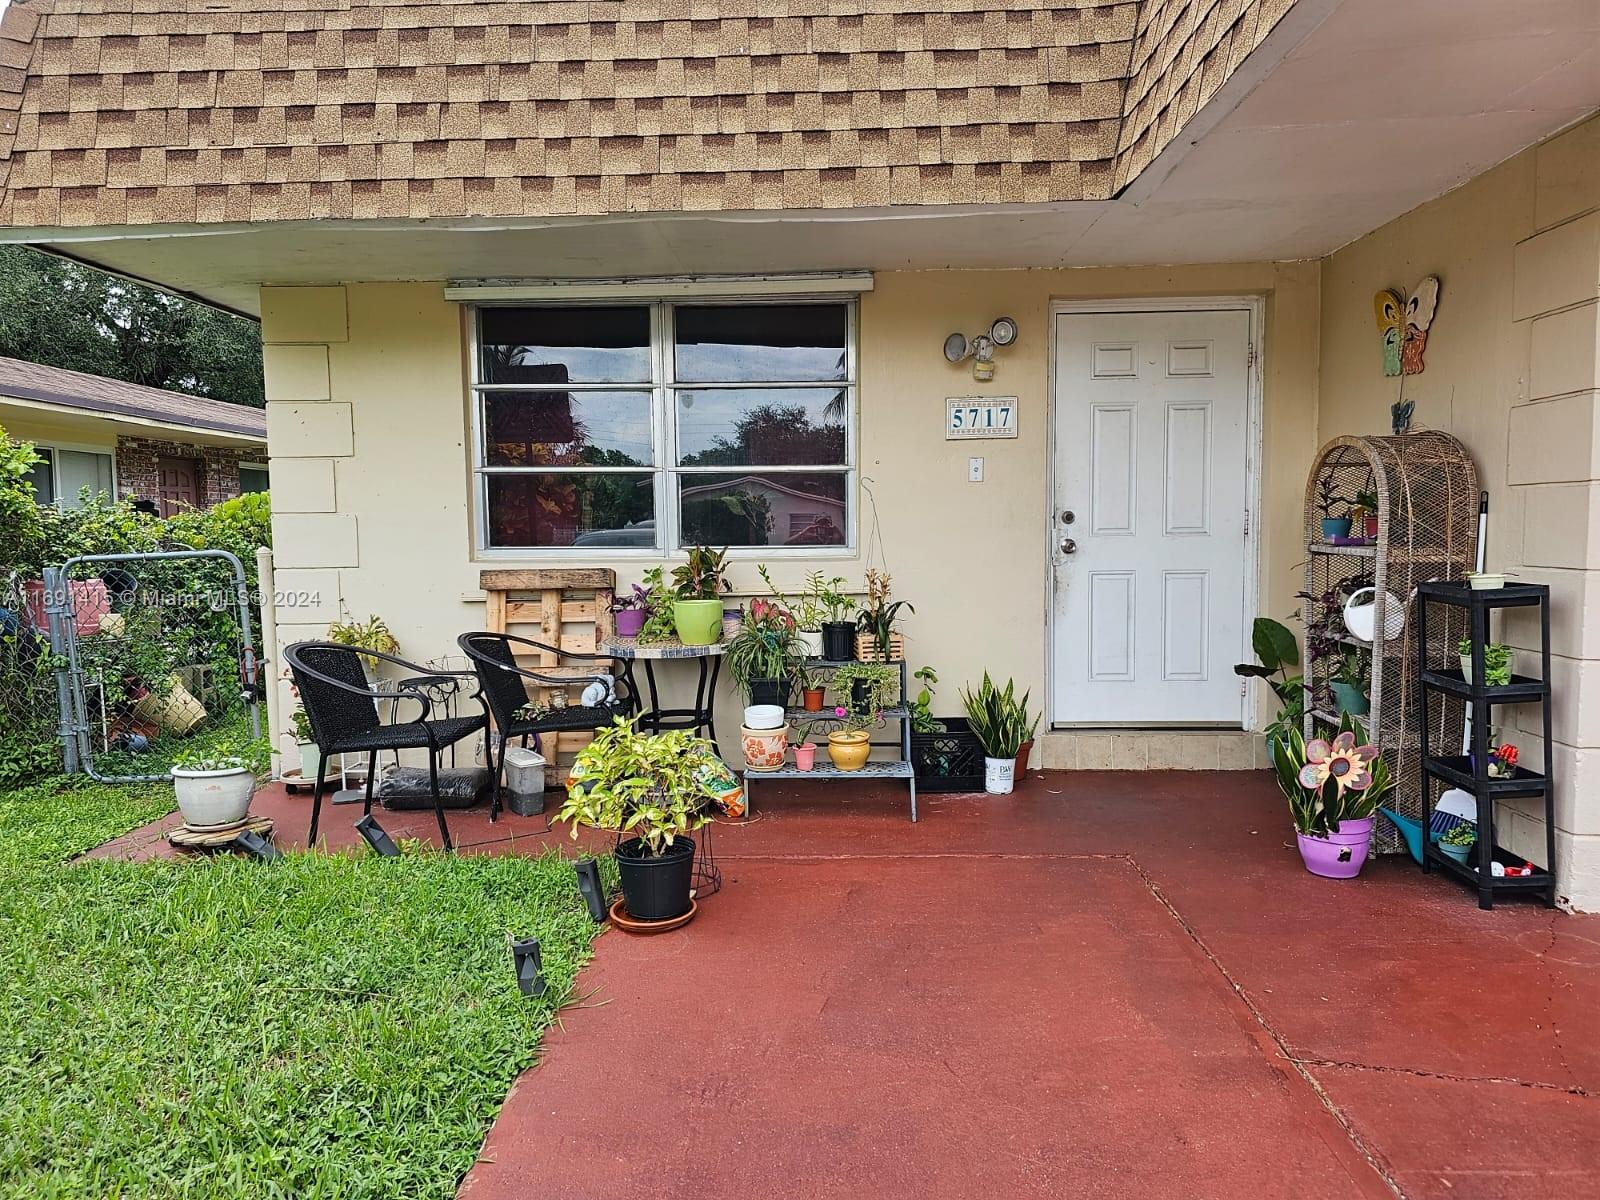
point(1511, 369)
point(367, 422)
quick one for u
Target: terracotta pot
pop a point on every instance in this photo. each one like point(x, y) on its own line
point(763, 748)
point(805, 756)
point(1022, 756)
point(812, 699)
point(849, 749)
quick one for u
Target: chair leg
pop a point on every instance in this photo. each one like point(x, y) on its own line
point(494, 774)
point(316, 801)
point(372, 778)
point(438, 800)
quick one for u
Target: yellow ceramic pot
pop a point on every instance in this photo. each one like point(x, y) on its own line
point(849, 749)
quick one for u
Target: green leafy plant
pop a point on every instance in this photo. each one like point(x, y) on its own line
point(1276, 652)
point(1496, 661)
point(701, 577)
point(1355, 668)
point(1365, 504)
point(880, 679)
point(922, 718)
point(21, 534)
point(807, 607)
point(371, 634)
point(200, 761)
point(1460, 835)
point(998, 718)
point(1330, 781)
point(878, 614)
point(839, 605)
point(658, 626)
point(656, 787)
point(764, 647)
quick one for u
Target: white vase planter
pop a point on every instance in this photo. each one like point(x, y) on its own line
point(999, 775)
point(1466, 665)
point(310, 760)
point(211, 798)
point(808, 642)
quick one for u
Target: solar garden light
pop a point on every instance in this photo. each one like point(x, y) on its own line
point(530, 968)
point(381, 843)
point(594, 892)
point(253, 844)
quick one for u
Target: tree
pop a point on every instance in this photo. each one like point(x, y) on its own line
point(60, 314)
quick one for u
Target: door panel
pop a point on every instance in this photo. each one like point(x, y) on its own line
point(1151, 420)
point(177, 485)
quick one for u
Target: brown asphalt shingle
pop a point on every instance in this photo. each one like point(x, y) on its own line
point(145, 111)
point(95, 393)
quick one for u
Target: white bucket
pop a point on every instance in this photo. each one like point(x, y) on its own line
point(764, 716)
point(999, 775)
point(1361, 619)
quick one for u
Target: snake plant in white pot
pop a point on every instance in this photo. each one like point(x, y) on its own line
point(1000, 722)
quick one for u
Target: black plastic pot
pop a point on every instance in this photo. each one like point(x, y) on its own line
point(769, 691)
point(860, 694)
point(656, 889)
point(839, 641)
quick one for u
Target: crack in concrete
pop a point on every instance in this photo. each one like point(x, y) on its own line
point(1550, 1005)
point(1575, 1089)
point(1362, 1147)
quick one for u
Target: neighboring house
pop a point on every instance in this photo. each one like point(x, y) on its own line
point(545, 283)
point(125, 440)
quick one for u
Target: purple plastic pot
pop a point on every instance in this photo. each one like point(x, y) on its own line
point(629, 622)
point(1339, 855)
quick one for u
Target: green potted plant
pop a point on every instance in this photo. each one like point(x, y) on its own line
point(371, 634)
point(1499, 661)
point(1328, 498)
point(1364, 514)
point(999, 721)
point(656, 788)
point(1458, 842)
point(699, 584)
point(839, 622)
point(1277, 651)
point(1334, 789)
point(875, 620)
point(659, 604)
point(1350, 681)
point(212, 790)
point(808, 608)
point(809, 683)
point(761, 655)
point(1030, 726)
point(850, 745)
point(866, 687)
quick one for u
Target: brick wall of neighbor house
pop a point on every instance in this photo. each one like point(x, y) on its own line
point(219, 467)
point(1513, 369)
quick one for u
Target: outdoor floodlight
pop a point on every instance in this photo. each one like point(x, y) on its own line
point(530, 968)
point(382, 844)
point(594, 892)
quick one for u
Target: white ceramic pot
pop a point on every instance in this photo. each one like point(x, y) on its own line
point(764, 749)
point(1466, 665)
point(999, 775)
point(763, 716)
point(808, 642)
point(211, 798)
point(1361, 616)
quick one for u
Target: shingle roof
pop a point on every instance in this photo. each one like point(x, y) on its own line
point(145, 111)
point(96, 393)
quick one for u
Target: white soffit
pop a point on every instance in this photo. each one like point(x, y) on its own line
point(1327, 132)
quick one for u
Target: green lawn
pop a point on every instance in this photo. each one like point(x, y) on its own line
point(340, 1026)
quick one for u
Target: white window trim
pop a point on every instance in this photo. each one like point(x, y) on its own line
point(78, 448)
point(663, 422)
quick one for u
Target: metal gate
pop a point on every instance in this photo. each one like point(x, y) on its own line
point(154, 653)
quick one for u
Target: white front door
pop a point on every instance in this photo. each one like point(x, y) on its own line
point(1148, 540)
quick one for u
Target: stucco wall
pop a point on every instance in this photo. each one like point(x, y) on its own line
point(367, 422)
point(1511, 369)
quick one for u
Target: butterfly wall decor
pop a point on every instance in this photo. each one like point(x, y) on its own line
point(1403, 323)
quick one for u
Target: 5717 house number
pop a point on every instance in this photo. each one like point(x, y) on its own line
point(980, 417)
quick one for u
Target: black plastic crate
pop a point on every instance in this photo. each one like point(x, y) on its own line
point(951, 761)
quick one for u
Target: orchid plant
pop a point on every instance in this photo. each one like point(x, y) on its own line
point(1330, 781)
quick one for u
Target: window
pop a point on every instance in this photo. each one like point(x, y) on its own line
point(63, 475)
point(649, 427)
point(253, 478)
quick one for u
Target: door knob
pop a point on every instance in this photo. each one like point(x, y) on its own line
point(1069, 546)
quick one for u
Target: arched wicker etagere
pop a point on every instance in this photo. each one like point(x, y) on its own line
point(1426, 489)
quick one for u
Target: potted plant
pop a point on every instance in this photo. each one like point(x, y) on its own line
point(1364, 514)
point(761, 654)
point(630, 610)
point(850, 745)
point(1349, 683)
point(660, 604)
point(997, 719)
point(809, 683)
point(867, 687)
point(1277, 651)
point(212, 791)
point(945, 755)
point(876, 619)
point(658, 789)
point(1503, 761)
point(808, 609)
point(699, 584)
point(839, 624)
point(371, 634)
point(1498, 662)
point(1030, 726)
point(1334, 789)
point(1328, 498)
point(1458, 841)
point(805, 750)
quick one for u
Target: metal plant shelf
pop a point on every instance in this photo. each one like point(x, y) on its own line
point(825, 772)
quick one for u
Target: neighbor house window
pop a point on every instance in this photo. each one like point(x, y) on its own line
point(650, 427)
point(253, 478)
point(64, 477)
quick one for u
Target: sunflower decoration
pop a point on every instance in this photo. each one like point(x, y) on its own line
point(1345, 764)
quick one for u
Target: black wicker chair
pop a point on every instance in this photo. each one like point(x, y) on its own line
point(502, 686)
point(343, 710)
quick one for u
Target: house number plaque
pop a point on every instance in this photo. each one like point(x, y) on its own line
point(980, 417)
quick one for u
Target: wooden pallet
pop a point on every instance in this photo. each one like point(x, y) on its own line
point(218, 837)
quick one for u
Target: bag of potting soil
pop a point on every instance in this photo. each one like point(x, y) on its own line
point(403, 788)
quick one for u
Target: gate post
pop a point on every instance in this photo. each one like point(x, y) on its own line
point(58, 611)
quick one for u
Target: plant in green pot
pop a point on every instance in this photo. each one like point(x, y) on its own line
point(1458, 841)
point(1000, 723)
point(1351, 679)
point(658, 789)
point(699, 584)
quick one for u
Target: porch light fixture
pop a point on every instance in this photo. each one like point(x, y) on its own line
point(980, 349)
point(253, 844)
point(530, 967)
point(380, 841)
point(594, 892)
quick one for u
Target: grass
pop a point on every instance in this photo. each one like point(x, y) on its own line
point(324, 1026)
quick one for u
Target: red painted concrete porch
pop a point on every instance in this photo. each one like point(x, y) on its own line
point(1106, 984)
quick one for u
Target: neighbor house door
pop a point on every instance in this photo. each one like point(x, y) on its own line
point(1148, 533)
point(177, 484)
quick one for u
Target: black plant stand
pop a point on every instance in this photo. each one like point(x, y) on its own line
point(1471, 772)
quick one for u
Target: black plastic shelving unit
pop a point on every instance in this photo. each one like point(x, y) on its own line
point(1471, 772)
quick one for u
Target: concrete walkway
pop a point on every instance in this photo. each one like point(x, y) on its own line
point(1107, 985)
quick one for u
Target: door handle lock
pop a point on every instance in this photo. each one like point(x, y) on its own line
point(1068, 516)
point(1069, 546)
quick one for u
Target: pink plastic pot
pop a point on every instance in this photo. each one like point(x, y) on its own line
point(1339, 855)
point(805, 755)
point(629, 622)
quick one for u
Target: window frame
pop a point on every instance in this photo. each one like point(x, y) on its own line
point(55, 451)
point(665, 471)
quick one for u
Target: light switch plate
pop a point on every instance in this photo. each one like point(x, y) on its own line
point(975, 470)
